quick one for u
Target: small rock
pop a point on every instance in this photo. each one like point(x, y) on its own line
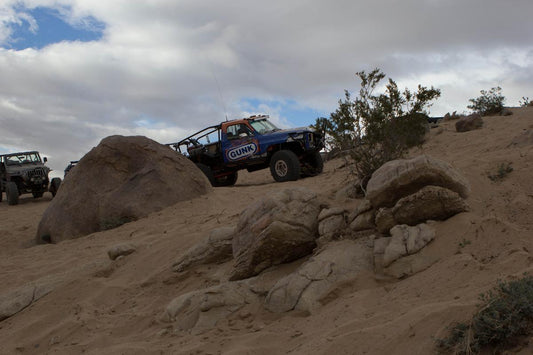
point(120, 250)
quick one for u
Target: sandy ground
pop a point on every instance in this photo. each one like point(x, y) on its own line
point(104, 307)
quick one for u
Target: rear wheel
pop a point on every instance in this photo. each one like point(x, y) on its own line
point(285, 166)
point(228, 180)
point(207, 172)
point(54, 186)
point(37, 194)
point(12, 193)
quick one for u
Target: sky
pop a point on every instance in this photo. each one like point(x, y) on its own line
point(73, 72)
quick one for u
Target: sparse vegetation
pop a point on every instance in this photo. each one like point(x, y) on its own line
point(525, 102)
point(463, 243)
point(376, 128)
point(489, 103)
point(503, 170)
point(505, 314)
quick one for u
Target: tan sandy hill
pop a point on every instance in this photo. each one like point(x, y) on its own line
point(79, 301)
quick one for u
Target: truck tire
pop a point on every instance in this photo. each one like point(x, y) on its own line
point(285, 166)
point(207, 172)
point(314, 164)
point(12, 193)
point(37, 194)
point(54, 186)
point(228, 180)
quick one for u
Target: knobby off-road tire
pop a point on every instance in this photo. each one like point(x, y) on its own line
point(12, 193)
point(228, 180)
point(285, 166)
point(207, 172)
point(54, 186)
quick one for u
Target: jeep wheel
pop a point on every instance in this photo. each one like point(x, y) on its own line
point(12, 193)
point(228, 180)
point(207, 172)
point(313, 164)
point(285, 166)
point(54, 186)
point(37, 194)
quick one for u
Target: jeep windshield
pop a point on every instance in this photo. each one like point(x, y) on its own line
point(263, 126)
point(23, 158)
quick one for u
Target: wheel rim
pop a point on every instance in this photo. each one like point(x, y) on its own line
point(281, 168)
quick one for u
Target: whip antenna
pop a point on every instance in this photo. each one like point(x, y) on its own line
point(222, 102)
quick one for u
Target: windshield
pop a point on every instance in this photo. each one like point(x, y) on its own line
point(263, 126)
point(23, 158)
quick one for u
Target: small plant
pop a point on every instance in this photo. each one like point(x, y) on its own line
point(503, 171)
point(489, 103)
point(505, 314)
point(114, 222)
point(463, 243)
point(525, 102)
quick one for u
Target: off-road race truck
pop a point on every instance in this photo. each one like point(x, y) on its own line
point(253, 143)
point(25, 172)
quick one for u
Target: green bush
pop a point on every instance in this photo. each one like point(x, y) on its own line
point(503, 170)
point(506, 314)
point(377, 128)
point(489, 103)
point(525, 102)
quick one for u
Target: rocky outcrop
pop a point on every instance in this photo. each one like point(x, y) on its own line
point(429, 203)
point(216, 248)
point(277, 229)
point(202, 309)
point(406, 240)
point(120, 180)
point(306, 288)
point(400, 178)
point(469, 123)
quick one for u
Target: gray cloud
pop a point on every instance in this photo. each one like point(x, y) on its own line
point(165, 68)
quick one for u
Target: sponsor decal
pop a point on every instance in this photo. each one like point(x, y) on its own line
point(241, 151)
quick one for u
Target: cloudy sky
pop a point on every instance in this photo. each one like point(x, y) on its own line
point(75, 71)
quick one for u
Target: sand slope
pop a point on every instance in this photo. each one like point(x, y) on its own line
point(99, 306)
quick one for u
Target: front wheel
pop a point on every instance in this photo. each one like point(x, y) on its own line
point(12, 193)
point(313, 164)
point(285, 166)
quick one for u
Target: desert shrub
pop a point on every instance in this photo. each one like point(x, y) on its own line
point(502, 172)
point(505, 314)
point(489, 103)
point(525, 102)
point(376, 128)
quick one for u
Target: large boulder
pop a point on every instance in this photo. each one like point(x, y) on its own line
point(277, 229)
point(403, 177)
point(469, 123)
point(120, 180)
point(306, 289)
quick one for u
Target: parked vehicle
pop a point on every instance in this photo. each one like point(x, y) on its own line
point(25, 172)
point(69, 167)
point(253, 143)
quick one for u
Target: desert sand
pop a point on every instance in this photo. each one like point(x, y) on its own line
point(99, 306)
